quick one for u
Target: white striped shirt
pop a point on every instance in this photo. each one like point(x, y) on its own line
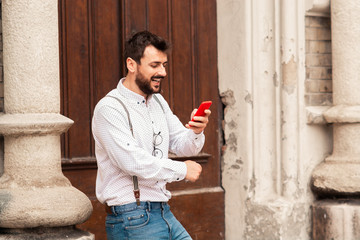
point(120, 155)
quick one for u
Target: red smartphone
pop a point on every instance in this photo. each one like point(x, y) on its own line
point(201, 110)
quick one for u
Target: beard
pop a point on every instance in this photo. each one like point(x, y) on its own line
point(145, 84)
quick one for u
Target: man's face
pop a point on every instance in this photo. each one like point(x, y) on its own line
point(151, 70)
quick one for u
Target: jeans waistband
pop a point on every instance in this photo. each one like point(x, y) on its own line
point(133, 206)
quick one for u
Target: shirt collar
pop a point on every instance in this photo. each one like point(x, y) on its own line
point(130, 95)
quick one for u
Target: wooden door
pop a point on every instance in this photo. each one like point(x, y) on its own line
point(92, 36)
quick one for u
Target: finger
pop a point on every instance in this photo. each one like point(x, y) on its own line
point(193, 113)
point(197, 121)
point(208, 112)
point(195, 125)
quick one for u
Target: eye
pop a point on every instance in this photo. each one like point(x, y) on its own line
point(154, 65)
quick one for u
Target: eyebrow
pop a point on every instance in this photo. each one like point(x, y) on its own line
point(158, 62)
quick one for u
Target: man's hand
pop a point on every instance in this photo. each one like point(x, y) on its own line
point(193, 171)
point(200, 122)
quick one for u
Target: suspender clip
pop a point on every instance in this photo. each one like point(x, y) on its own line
point(136, 190)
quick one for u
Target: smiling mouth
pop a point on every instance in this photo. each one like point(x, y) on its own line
point(157, 79)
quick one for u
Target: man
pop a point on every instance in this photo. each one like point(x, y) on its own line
point(134, 129)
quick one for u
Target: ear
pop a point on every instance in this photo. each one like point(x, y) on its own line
point(131, 65)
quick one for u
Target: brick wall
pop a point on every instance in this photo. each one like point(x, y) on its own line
point(318, 84)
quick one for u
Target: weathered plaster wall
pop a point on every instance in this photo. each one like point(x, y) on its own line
point(270, 149)
point(236, 93)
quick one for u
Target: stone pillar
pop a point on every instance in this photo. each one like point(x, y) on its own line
point(338, 175)
point(34, 193)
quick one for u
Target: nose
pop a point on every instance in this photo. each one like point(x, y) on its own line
point(162, 70)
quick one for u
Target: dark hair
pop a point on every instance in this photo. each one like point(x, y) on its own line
point(135, 46)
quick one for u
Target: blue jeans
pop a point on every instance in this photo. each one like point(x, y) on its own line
point(149, 221)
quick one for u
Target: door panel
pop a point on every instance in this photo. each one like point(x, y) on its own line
point(182, 61)
point(92, 36)
point(107, 47)
point(76, 53)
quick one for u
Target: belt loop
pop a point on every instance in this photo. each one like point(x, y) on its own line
point(112, 208)
point(149, 205)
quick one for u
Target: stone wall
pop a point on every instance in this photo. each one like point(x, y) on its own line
point(1, 94)
point(318, 84)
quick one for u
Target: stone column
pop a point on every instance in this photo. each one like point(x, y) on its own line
point(34, 193)
point(339, 174)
